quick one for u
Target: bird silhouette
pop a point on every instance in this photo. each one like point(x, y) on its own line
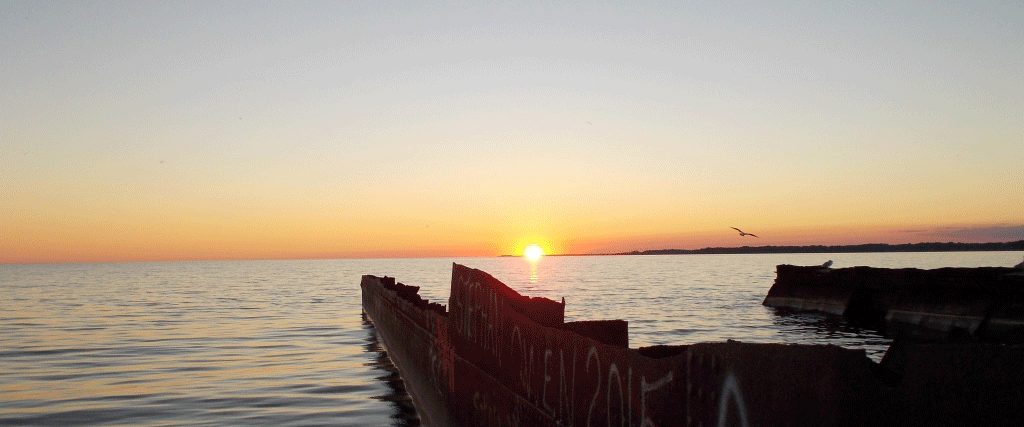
point(827, 264)
point(743, 233)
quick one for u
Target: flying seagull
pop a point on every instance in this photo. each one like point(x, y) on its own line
point(742, 233)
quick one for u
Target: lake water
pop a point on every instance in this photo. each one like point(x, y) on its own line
point(282, 343)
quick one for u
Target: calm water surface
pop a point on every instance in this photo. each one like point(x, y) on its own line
point(284, 343)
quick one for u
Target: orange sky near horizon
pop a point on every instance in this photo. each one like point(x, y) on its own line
point(241, 240)
point(164, 131)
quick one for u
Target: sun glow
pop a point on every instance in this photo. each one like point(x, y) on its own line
point(533, 252)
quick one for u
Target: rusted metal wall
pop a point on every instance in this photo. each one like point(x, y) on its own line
point(414, 338)
point(987, 302)
point(957, 383)
point(485, 362)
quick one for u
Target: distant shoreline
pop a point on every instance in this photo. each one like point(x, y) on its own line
point(813, 249)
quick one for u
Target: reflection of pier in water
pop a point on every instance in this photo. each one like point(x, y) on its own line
point(405, 412)
point(817, 328)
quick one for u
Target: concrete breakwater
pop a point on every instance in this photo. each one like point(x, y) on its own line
point(986, 303)
point(495, 357)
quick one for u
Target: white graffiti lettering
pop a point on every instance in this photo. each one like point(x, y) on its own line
point(597, 389)
point(646, 387)
point(731, 388)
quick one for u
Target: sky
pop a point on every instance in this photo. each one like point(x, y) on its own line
point(154, 130)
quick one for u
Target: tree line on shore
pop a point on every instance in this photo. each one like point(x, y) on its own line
point(869, 247)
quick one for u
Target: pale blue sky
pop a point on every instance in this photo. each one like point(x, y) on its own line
point(653, 119)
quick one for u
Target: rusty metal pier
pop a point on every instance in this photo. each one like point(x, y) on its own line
point(493, 357)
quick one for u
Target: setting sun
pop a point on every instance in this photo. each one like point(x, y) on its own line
point(533, 252)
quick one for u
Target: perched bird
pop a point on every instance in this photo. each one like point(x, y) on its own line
point(742, 233)
point(827, 264)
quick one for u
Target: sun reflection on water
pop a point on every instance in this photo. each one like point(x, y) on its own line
point(533, 270)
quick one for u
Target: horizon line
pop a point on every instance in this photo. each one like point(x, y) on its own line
point(716, 250)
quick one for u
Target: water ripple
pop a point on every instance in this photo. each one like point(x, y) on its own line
point(283, 343)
